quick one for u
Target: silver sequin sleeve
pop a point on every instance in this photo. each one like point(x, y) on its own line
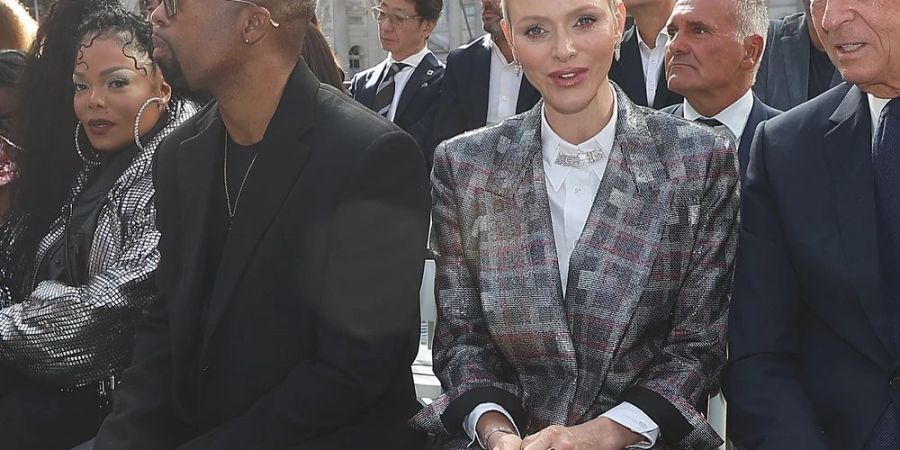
point(71, 336)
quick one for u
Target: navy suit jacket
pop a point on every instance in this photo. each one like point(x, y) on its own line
point(812, 354)
point(783, 78)
point(628, 73)
point(759, 113)
point(463, 104)
point(415, 111)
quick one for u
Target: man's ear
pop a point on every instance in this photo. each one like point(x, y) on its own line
point(428, 28)
point(256, 26)
point(754, 46)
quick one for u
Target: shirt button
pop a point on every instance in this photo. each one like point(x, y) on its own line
point(895, 383)
point(504, 98)
point(58, 262)
point(642, 424)
point(578, 191)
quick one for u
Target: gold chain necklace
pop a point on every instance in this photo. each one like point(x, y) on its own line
point(237, 198)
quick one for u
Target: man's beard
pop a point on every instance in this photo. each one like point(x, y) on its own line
point(173, 74)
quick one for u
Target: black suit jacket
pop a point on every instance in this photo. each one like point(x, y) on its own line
point(313, 320)
point(782, 80)
point(463, 104)
point(758, 113)
point(416, 109)
point(810, 344)
point(628, 73)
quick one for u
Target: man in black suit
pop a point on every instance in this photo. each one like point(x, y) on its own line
point(482, 85)
point(405, 86)
point(714, 69)
point(639, 67)
point(795, 67)
point(814, 319)
point(292, 225)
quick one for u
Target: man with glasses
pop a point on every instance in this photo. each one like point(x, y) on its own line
point(404, 87)
point(483, 85)
point(292, 223)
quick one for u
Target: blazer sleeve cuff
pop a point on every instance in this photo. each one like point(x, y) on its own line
point(673, 425)
point(459, 408)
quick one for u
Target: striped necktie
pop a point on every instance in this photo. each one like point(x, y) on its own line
point(384, 96)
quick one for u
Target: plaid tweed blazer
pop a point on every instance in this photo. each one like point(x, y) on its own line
point(644, 317)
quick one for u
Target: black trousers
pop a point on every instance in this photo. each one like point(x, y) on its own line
point(36, 417)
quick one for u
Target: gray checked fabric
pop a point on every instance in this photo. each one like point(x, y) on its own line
point(74, 335)
point(384, 96)
point(649, 279)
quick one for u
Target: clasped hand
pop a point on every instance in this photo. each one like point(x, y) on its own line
point(597, 434)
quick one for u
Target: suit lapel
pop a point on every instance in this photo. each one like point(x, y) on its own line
point(757, 115)
point(196, 161)
point(614, 255)
point(630, 69)
point(796, 62)
point(517, 229)
point(848, 152)
point(421, 78)
point(528, 96)
point(370, 88)
point(282, 156)
point(480, 77)
point(663, 94)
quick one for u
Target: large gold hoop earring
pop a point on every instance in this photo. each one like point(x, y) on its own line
point(137, 120)
point(91, 161)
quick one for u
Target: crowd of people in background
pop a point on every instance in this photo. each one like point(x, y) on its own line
point(212, 239)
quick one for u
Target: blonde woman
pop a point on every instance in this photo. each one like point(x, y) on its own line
point(585, 252)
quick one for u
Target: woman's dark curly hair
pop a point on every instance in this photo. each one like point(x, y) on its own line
point(46, 123)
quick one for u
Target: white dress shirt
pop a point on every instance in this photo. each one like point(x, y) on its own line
point(652, 60)
point(571, 192)
point(503, 94)
point(403, 76)
point(734, 117)
point(876, 105)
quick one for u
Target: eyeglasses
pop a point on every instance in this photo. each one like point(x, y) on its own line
point(397, 20)
point(172, 8)
point(6, 145)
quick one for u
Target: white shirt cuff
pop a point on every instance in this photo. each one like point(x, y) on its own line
point(631, 417)
point(471, 421)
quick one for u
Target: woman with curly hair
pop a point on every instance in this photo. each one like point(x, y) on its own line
point(16, 26)
point(79, 248)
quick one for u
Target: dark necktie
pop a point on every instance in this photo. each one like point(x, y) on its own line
point(716, 125)
point(708, 122)
point(384, 96)
point(886, 167)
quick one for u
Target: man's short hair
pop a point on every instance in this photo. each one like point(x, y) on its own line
point(752, 17)
point(429, 10)
point(291, 10)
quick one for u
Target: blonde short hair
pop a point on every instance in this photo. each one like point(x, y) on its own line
point(504, 7)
